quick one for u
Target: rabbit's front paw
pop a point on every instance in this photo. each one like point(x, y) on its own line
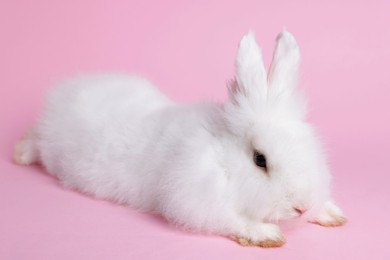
point(330, 216)
point(263, 235)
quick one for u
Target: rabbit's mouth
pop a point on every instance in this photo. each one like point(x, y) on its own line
point(294, 213)
point(289, 211)
point(300, 210)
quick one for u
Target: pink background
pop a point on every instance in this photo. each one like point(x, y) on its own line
point(187, 48)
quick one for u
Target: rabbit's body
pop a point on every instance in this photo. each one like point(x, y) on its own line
point(117, 137)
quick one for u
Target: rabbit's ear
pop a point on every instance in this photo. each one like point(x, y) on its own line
point(251, 78)
point(283, 72)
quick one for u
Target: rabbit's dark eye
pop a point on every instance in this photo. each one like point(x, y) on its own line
point(260, 160)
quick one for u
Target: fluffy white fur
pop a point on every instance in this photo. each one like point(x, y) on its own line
point(117, 137)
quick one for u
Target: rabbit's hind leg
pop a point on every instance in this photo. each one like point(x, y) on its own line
point(26, 151)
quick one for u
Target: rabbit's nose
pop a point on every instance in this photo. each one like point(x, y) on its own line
point(300, 210)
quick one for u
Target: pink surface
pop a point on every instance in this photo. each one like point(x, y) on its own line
point(188, 50)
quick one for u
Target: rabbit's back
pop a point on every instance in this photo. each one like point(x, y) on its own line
point(89, 126)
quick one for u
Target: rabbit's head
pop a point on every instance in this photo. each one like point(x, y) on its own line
point(280, 167)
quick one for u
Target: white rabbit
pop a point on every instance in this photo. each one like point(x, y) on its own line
point(233, 169)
